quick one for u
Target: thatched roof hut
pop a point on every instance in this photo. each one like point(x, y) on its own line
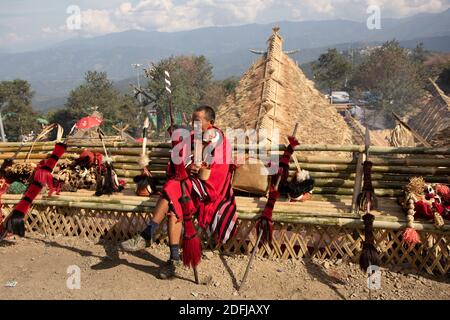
point(432, 122)
point(274, 93)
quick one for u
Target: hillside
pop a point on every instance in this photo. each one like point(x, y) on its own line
point(54, 71)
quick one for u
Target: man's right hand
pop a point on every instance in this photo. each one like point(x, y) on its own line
point(194, 169)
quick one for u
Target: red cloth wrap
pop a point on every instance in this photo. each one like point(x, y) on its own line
point(43, 173)
point(444, 192)
point(216, 185)
point(423, 210)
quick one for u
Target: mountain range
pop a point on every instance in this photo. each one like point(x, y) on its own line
point(55, 70)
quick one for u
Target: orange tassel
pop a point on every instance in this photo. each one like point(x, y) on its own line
point(411, 236)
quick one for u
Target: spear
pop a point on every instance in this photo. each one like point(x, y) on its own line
point(145, 186)
point(143, 160)
point(265, 224)
point(367, 201)
point(42, 176)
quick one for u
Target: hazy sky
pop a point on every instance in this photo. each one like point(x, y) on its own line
point(28, 24)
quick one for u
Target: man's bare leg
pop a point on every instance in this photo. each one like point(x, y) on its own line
point(161, 209)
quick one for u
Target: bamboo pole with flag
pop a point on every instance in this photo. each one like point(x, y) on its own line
point(264, 225)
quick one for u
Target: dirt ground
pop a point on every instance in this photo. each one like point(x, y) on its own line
point(39, 266)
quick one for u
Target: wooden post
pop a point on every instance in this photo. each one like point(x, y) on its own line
point(2, 130)
point(358, 179)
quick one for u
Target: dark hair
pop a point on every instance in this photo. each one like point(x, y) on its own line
point(209, 112)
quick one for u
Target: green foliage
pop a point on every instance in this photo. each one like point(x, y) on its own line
point(393, 76)
point(191, 79)
point(443, 79)
point(230, 84)
point(15, 106)
point(192, 85)
point(98, 92)
point(331, 70)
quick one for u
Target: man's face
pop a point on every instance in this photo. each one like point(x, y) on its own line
point(201, 116)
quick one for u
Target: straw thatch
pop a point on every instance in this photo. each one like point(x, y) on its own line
point(432, 122)
point(274, 93)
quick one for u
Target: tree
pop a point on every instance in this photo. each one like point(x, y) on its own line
point(331, 70)
point(98, 91)
point(230, 84)
point(191, 78)
point(443, 79)
point(392, 76)
point(15, 107)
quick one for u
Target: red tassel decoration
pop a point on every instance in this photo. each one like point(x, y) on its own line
point(192, 249)
point(15, 222)
point(265, 222)
point(423, 210)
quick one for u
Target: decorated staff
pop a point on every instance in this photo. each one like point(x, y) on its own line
point(366, 201)
point(264, 225)
point(168, 88)
point(42, 177)
point(107, 182)
point(145, 185)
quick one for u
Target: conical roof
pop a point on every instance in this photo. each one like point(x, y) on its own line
point(275, 93)
point(432, 121)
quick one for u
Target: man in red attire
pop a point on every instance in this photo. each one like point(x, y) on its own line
point(206, 194)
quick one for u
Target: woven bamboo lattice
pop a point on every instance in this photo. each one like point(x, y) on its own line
point(291, 240)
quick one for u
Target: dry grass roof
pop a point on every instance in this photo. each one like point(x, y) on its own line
point(275, 93)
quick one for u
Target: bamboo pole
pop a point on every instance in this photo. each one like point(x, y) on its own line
point(351, 223)
point(381, 222)
point(313, 160)
point(380, 161)
point(317, 174)
point(91, 205)
point(342, 148)
point(379, 169)
point(341, 183)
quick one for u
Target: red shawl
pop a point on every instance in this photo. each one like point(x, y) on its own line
point(216, 186)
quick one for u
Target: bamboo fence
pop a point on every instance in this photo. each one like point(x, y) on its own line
point(326, 227)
